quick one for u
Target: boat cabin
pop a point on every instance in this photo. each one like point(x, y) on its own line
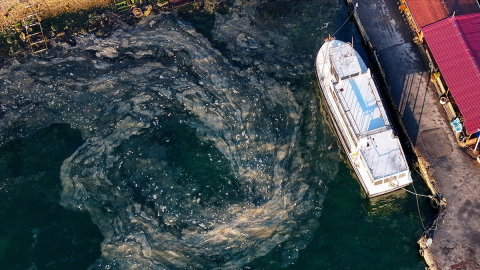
point(356, 91)
point(377, 147)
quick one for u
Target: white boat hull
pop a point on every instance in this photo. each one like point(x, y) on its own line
point(359, 119)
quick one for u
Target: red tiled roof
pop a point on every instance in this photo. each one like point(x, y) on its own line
point(455, 45)
point(425, 12)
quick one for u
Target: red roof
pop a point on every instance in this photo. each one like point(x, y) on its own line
point(455, 45)
point(426, 12)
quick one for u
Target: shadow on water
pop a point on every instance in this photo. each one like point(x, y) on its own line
point(35, 231)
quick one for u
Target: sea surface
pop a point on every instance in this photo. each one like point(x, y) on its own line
point(191, 141)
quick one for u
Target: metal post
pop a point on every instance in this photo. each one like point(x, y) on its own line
point(478, 140)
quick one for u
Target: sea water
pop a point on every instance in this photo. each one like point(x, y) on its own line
point(191, 142)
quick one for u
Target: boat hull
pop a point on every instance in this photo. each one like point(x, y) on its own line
point(339, 124)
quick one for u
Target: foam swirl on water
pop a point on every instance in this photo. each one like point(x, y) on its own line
point(189, 162)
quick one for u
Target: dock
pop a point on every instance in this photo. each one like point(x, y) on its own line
point(450, 173)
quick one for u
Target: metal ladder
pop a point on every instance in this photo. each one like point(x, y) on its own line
point(34, 35)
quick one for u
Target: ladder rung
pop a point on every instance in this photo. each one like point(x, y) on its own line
point(31, 35)
point(37, 42)
point(33, 24)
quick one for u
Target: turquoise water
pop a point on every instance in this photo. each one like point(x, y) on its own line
point(352, 232)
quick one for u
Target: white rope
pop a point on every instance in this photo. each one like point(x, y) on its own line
point(343, 23)
point(416, 194)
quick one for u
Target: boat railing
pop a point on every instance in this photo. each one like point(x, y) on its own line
point(364, 160)
point(392, 174)
point(378, 101)
point(348, 113)
point(374, 131)
point(349, 128)
point(321, 80)
point(373, 162)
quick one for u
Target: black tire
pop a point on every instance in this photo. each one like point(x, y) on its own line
point(435, 203)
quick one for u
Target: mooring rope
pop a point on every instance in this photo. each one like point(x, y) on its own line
point(418, 207)
point(344, 23)
point(416, 194)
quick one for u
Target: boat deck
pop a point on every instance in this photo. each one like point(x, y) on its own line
point(361, 120)
point(362, 104)
point(383, 155)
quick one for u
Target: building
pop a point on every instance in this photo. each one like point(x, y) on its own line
point(420, 13)
point(454, 46)
point(449, 31)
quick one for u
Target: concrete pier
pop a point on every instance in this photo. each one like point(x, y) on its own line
point(446, 166)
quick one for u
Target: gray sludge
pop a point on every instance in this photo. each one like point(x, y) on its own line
point(133, 96)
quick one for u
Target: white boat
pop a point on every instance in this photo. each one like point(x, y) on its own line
point(360, 119)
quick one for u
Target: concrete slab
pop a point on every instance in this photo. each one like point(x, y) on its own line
point(456, 241)
point(436, 143)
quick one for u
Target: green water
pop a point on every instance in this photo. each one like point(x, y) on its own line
point(358, 233)
point(34, 228)
point(354, 232)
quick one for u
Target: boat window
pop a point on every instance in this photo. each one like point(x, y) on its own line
point(388, 180)
point(350, 76)
point(379, 182)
